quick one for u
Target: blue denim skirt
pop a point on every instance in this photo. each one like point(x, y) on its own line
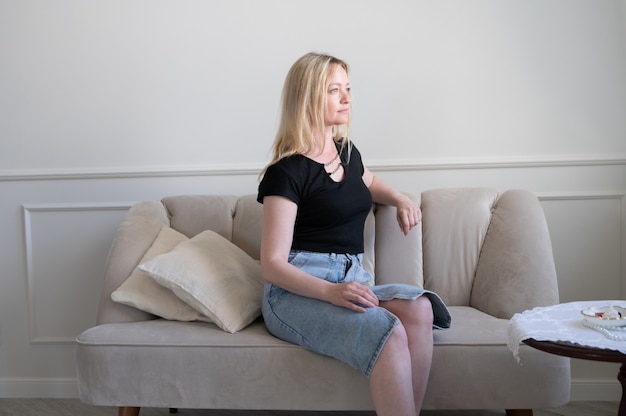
point(352, 337)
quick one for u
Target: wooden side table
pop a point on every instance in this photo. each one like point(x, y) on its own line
point(567, 349)
point(561, 329)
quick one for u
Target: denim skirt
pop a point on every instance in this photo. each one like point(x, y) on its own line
point(352, 337)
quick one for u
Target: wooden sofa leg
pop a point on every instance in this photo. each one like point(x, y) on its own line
point(173, 410)
point(519, 412)
point(128, 411)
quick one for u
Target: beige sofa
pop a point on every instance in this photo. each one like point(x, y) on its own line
point(487, 254)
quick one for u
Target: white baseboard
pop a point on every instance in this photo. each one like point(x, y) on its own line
point(48, 388)
point(601, 390)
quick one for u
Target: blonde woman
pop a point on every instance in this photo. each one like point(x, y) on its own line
point(316, 194)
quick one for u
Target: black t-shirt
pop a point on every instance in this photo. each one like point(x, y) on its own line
point(331, 215)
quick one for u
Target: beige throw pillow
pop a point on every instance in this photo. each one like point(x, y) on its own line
point(215, 277)
point(142, 292)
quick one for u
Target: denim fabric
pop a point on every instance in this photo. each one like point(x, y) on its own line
point(441, 315)
point(349, 336)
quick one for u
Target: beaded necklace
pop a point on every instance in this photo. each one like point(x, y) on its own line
point(332, 162)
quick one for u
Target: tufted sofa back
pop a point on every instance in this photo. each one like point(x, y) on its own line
point(389, 255)
point(474, 246)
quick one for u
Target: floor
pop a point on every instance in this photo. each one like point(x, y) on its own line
point(73, 407)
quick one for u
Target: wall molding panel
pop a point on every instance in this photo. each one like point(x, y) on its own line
point(42, 257)
point(581, 196)
point(395, 165)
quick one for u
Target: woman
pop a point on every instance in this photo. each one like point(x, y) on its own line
point(316, 194)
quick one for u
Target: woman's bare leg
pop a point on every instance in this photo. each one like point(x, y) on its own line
point(417, 320)
point(391, 385)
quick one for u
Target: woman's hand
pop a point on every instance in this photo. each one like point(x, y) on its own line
point(408, 214)
point(352, 295)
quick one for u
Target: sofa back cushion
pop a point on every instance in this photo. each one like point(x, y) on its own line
point(398, 258)
point(455, 223)
point(472, 245)
point(389, 255)
point(516, 269)
point(441, 254)
point(192, 214)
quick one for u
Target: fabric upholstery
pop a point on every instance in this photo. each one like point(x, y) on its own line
point(247, 225)
point(142, 292)
point(192, 214)
point(209, 368)
point(398, 257)
point(134, 237)
point(524, 277)
point(486, 253)
point(455, 222)
point(213, 276)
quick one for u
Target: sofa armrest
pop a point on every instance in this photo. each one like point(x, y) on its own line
point(515, 271)
point(135, 235)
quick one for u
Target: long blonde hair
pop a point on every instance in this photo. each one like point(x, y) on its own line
point(304, 106)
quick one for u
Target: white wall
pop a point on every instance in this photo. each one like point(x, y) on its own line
point(134, 85)
point(106, 103)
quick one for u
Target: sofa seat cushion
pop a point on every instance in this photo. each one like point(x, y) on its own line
point(164, 333)
point(198, 365)
point(473, 327)
point(473, 357)
point(472, 368)
point(470, 327)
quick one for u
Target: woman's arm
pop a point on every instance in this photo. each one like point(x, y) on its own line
point(279, 216)
point(408, 213)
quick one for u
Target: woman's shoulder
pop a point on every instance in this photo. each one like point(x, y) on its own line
point(295, 159)
point(291, 164)
point(294, 166)
point(286, 177)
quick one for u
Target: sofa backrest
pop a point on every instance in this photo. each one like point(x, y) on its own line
point(389, 255)
point(454, 229)
point(472, 246)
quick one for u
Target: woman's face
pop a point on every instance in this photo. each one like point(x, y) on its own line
point(337, 97)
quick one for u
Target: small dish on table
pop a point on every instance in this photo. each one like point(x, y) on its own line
point(605, 316)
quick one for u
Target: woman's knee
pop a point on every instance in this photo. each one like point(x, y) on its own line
point(423, 309)
point(412, 312)
point(398, 340)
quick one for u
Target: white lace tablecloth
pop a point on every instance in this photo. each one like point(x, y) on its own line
point(562, 322)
